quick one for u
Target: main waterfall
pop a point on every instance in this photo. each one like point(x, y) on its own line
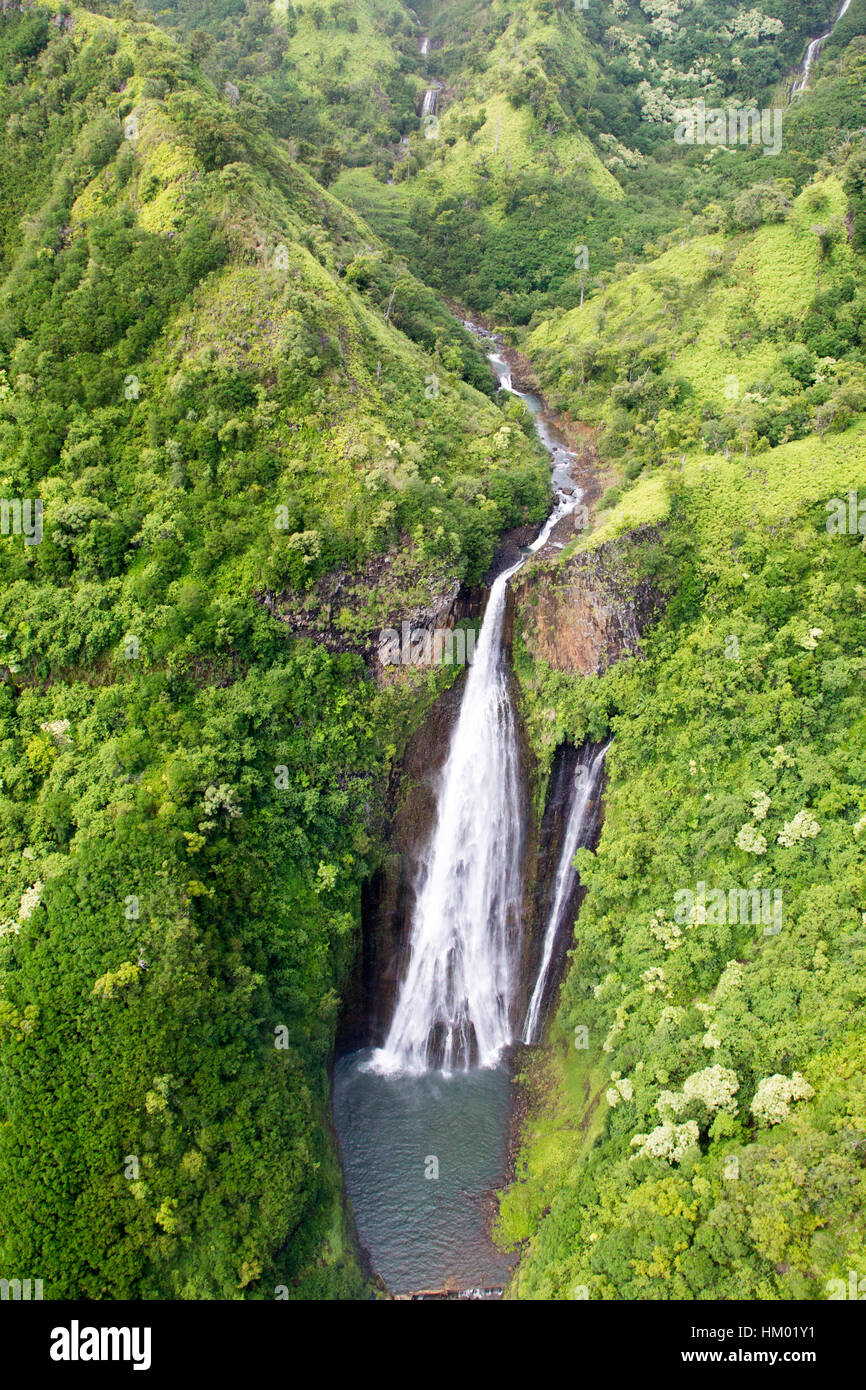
point(455, 1007)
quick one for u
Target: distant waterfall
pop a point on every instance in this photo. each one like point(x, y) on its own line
point(578, 830)
point(812, 53)
point(430, 102)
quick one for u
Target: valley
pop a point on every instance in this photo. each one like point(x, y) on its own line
point(332, 338)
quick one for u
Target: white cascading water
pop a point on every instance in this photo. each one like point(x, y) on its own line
point(456, 1003)
point(431, 98)
point(578, 826)
point(812, 53)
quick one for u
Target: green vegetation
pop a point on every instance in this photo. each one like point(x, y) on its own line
point(204, 386)
point(554, 125)
point(736, 737)
point(698, 1115)
point(737, 340)
point(229, 375)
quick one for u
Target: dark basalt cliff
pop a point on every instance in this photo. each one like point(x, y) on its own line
point(542, 888)
point(388, 897)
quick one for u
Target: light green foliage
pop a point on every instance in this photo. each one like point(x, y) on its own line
point(227, 372)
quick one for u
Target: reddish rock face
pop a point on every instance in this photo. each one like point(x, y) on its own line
point(584, 613)
point(574, 631)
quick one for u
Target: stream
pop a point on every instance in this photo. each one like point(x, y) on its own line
point(423, 1120)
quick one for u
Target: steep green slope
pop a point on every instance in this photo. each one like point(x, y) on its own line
point(201, 390)
point(555, 131)
point(736, 340)
point(554, 125)
point(699, 1114)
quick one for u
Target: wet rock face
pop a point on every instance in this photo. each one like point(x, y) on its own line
point(509, 550)
point(550, 837)
point(584, 613)
point(389, 897)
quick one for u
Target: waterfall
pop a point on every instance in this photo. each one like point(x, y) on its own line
point(425, 46)
point(578, 830)
point(455, 1006)
point(431, 97)
point(813, 50)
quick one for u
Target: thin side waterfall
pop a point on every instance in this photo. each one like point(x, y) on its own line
point(455, 1007)
point(578, 830)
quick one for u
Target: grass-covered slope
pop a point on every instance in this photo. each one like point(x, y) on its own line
point(556, 131)
point(205, 387)
point(733, 341)
point(554, 125)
